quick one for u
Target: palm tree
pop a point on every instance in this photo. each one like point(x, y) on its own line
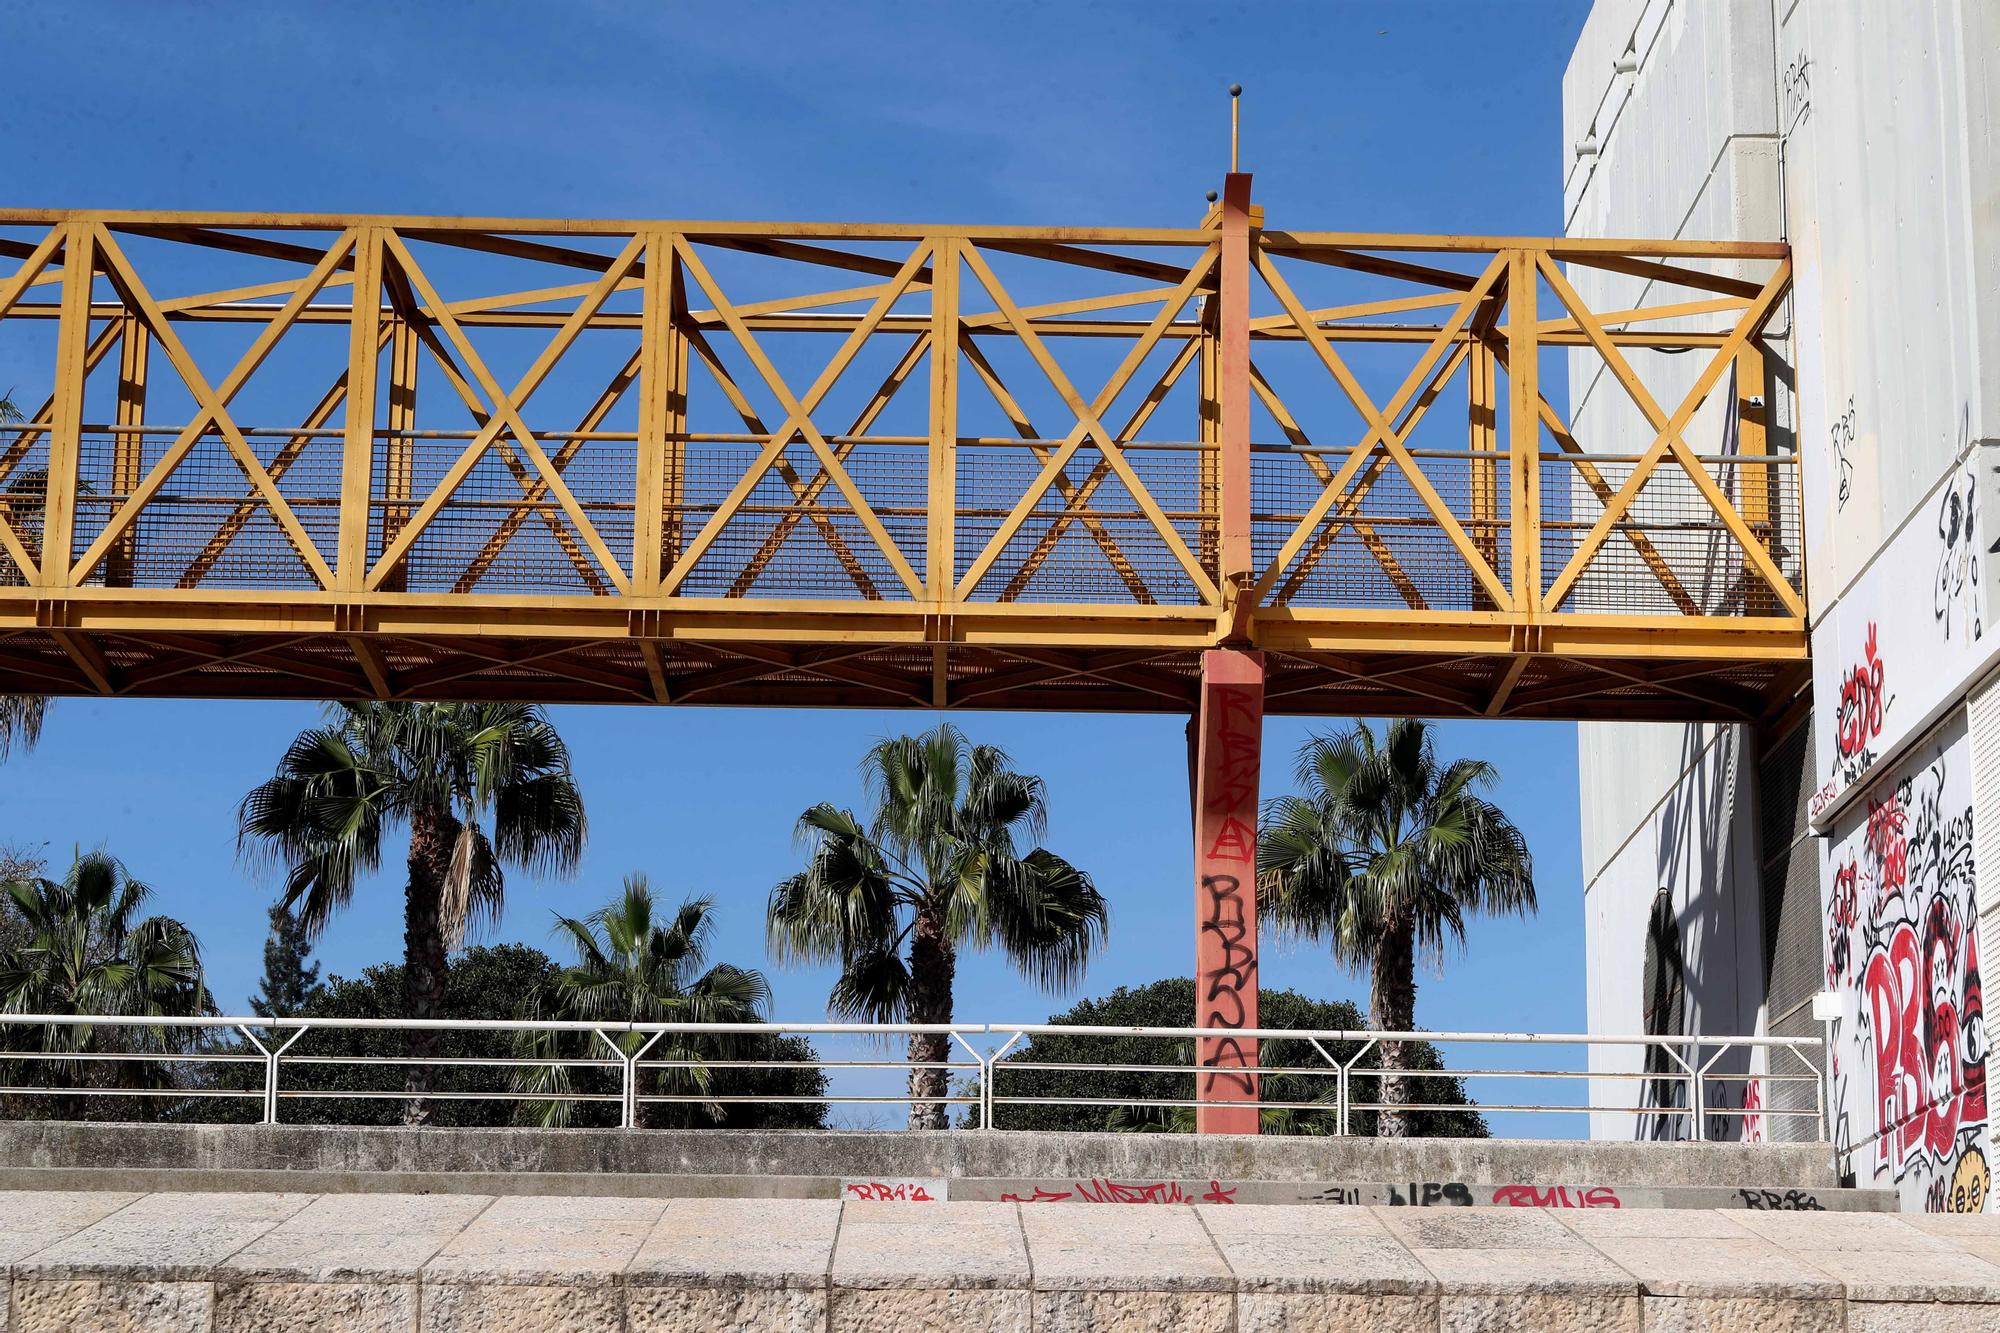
point(20, 720)
point(1384, 856)
point(88, 952)
point(938, 869)
point(633, 967)
point(445, 770)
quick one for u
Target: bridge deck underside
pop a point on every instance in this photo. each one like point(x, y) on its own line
point(704, 463)
point(1458, 680)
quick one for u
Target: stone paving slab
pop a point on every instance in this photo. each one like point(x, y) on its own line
point(163, 1237)
point(1883, 1258)
point(347, 1237)
point(1140, 1248)
point(1706, 1256)
point(962, 1245)
point(752, 1243)
point(31, 1221)
point(385, 1263)
point(543, 1241)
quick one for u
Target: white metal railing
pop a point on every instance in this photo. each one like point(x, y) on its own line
point(1690, 1065)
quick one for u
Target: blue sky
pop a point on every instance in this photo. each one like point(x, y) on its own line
point(1431, 117)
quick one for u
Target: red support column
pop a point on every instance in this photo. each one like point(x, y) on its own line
point(1229, 745)
point(1229, 726)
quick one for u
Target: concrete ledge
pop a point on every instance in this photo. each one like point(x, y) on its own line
point(951, 1155)
point(966, 1189)
point(203, 1263)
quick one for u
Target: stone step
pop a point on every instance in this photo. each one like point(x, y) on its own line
point(230, 1263)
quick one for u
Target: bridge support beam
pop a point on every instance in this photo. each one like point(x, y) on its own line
point(1229, 723)
point(1228, 737)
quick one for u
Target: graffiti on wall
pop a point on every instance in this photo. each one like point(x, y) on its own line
point(1859, 710)
point(1909, 1056)
point(1843, 444)
point(1905, 636)
point(1955, 588)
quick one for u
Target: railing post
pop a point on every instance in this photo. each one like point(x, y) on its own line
point(1524, 430)
point(993, 1072)
point(1346, 1085)
point(632, 1079)
point(1700, 1098)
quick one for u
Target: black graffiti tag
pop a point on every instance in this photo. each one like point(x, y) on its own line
point(1234, 972)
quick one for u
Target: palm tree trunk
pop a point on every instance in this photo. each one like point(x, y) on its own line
point(933, 962)
point(432, 833)
point(1392, 1007)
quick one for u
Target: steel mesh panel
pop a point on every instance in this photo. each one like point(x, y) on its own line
point(1788, 1094)
point(207, 525)
point(1784, 788)
point(1794, 941)
point(24, 470)
point(502, 528)
point(1380, 545)
point(1670, 553)
point(1086, 539)
point(776, 546)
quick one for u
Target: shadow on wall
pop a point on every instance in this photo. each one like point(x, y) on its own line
point(1692, 958)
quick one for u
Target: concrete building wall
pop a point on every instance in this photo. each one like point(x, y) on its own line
point(1868, 135)
point(1671, 130)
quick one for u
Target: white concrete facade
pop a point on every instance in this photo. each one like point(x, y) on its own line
point(1867, 134)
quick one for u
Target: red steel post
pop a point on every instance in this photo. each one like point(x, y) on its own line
point(1229, 737)
point(1229, 732)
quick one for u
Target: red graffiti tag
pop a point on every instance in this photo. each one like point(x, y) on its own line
point(1555, 1196)
point(883, 1191)
point(1233, 797)
point(1859, 714)
point(1753, 1111)
point(1098, 1189)
point(1843, 910)
point(1885, 839)
point(1926, 1083)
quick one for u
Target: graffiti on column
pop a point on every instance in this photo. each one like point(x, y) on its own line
point(1224, 983)
point(1909, 1057)
point(1232, 799)
point(1227, 909)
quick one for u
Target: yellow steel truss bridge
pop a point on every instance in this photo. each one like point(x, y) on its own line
point(940, 466)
